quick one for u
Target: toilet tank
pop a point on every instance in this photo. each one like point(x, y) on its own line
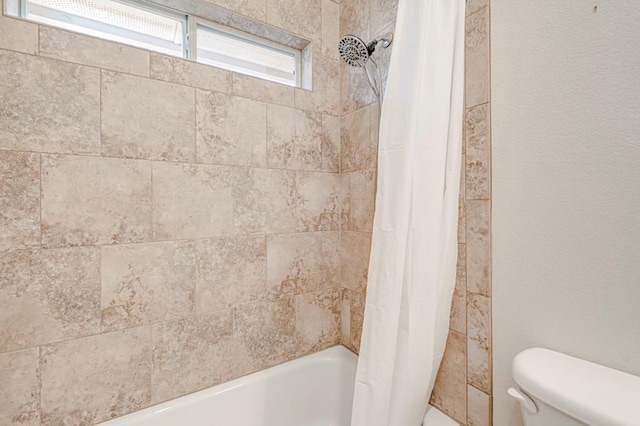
point(568, 391)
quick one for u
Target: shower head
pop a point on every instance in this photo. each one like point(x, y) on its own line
point(355, 52)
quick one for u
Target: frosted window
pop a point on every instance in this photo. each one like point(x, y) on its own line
point(246, 55)
point(125, 23)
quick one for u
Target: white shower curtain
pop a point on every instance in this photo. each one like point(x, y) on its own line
point(414, 250)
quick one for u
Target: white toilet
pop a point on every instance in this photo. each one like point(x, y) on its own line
point(560, 390)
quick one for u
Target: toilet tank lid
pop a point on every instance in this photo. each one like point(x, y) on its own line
point(591, 393)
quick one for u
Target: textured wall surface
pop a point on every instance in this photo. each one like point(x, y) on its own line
point(164, 226)
point(463, 387)
point(567, 194)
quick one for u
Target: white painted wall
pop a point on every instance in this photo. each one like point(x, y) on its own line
point(566, 161)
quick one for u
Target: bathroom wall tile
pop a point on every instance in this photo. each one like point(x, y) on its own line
point(90, 200)
point(255, 9)
point(354, 18)
point(192, 201)
point(355, 251)
point(330, 28)
point(303, 262)
point(263, 90)
point(318, 320)
point(48, 295)
point(462, 210)
point(45, 110)
point(18, 35)
point(263, 30)
point(318, 201)
point(477, 58)
point(93, 379)
point(345, 318)
point(360, 90)
point(478, 407)
point(330, 143)
point(92, 51)
point(357, 300)
point(144, 283)
point(450, 392)
point(204, 343)
point(478, 153)
point(265, 334)
point(231, 130)
point(382, 13)
point(144, 118)
point(359, 203)
point(355, 141)
point(293, 138)
point(300, 17)
point(190, 73)
point(19, 200)
point(475, 5)
point(231, 271)
point(479, 247)
point(264, 201)
point(459, 303)
point(325, 96)
point(20, 390)
point(479, 341)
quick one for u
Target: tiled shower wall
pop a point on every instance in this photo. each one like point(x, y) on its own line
point(164, 226)
point(463, 386)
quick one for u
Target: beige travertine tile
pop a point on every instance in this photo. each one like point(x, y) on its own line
point(48, 105)
point(462, 210)
point(91, 200)
point(192, 201)
point(145, 118)
point(299, 17)
point(475, 5)
point(355, 249)
point(20, 389)
point(303, 262)
point(355, 141)
point(354, 18)
point(18, 35)
point(19, 200)
point(345, 318)
point(330, 28)
point(231, 130)
point(254, 8)
point(479, 341)
point(360, 92)
point(478, 407)
point(48, 295)
point(357, 300)
point(231, 271)
point(330, 143)
point(382, 13)
point(359, 203)
point(190, 73)
point(478, 216)
point(450, 392)
point(477, 58)
point(191, 354)
point(92, 51)
point(263, 30)
point(264, 201)
point(263, 90)
point(325, 96)
point(318, 320)
point(265, 334)
point(93, 379)
point(318, 202)
point(293, 138)
point(478, 153)
point(459, 302)
point(144, 283)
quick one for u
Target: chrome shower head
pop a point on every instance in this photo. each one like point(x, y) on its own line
point(355, 52)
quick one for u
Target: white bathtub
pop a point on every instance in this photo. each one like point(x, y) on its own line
point(316, 390)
